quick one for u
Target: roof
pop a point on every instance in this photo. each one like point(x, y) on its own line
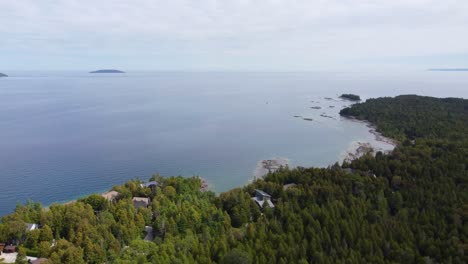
point(149, 184)
point(141, 201)
point(10, 248)
point(31, 227)
point(262, 193)
point(261, 202)
point(110, 195)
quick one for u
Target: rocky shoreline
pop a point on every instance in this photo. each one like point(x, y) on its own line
point(358, 149)
point(269, 165)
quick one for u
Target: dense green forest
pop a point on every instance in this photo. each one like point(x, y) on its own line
point(410, 206)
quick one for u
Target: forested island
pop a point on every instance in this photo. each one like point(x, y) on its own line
point(107, 71)
point(409, 206)
point(449, 69)
point(3, 75)
point(351, 97)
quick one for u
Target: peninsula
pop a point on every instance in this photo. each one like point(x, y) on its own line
point(380, 208)
point(3, 75)
point(107, 71)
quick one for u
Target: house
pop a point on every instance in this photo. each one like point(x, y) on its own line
point(262, 197)
point(141, 202)
point(31, 227)
point(111, 196)
point(151, 184)
point(9, 249)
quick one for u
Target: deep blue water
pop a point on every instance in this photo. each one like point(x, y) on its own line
point(67, 134)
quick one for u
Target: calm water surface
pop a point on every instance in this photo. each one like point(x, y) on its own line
point(67, 134)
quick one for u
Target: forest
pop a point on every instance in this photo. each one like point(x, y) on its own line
point(409, 206)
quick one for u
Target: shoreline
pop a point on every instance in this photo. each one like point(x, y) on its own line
point(355, 150)
point(266, 166)
point(359, 148)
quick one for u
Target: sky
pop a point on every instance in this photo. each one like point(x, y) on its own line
point(237, 35)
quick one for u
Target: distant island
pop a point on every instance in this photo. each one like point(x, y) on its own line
point(351, 97)
point(448, 69)
point(3, 75)
point(107, 71)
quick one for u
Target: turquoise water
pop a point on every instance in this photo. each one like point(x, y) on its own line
point(67, 134)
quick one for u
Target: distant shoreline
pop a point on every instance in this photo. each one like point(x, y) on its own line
point(449, 69)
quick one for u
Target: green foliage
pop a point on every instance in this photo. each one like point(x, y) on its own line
point(237, 256)
point(411, 116)
point(96, 201)
point(21, 257)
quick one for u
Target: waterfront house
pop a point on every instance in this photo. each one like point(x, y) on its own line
point(111, 196)
point(261, 198)
point(141, 202)
point(151, 184)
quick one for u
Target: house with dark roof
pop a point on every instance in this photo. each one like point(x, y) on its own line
point(151, 184)
point(261, 198)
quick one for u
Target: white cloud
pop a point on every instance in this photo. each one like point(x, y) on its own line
point(296, 34)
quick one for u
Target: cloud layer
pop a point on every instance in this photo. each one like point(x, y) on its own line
point(232, 35)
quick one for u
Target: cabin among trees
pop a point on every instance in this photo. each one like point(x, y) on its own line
point(10, 249)
point(262, 197)
point(111, 196)
point(141, 202)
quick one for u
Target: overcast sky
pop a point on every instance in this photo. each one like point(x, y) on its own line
point(277, 35)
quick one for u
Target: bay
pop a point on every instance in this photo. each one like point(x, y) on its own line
point(67, 134)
